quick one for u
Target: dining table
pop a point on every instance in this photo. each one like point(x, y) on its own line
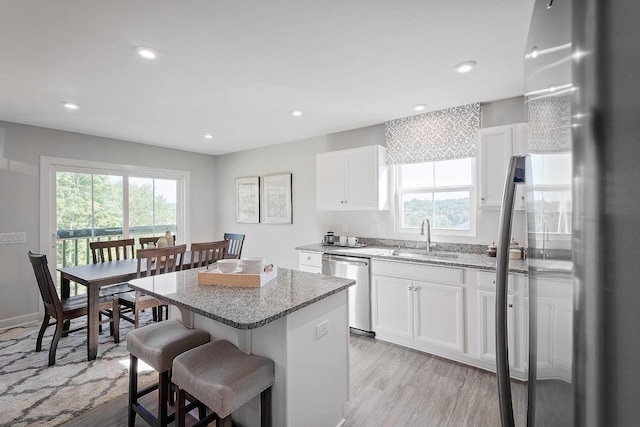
point(94, 277)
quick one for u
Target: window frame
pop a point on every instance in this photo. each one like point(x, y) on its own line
point(472, 188)
point(49, 166)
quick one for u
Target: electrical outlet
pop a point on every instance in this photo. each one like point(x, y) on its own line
point(322, 329)
point(345, 228)
point(374, 228)
point(13, 238)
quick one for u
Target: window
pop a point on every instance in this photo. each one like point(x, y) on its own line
point(551, 176)
point(441, 191)
point(85, 201)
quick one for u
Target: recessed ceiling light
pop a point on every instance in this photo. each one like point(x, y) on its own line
point(534, 52)
point(208, 136)
point(70, 105)
point(420, 107)
point(465, 67)
point(146, 52)
point(296, 113)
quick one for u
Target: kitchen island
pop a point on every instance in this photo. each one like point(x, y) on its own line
point(299, 320)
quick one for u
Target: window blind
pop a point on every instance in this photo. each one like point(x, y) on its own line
point(439, 135)
point(549, 123)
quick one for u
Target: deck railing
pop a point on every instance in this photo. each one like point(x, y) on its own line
point(73, 245)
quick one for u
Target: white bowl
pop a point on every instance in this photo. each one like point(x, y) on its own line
point(227, 265)
point(253, 265)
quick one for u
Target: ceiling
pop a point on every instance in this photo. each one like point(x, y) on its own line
point(237, 68)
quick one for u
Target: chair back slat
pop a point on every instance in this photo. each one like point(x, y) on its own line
point(160, 260)
point(208, 252)
point(50, 298)
point(112, 250)
point(235, 245)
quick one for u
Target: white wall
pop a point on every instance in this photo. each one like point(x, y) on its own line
point(20, 152)
point(276, 242)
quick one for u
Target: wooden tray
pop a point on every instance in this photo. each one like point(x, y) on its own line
point(215, 277)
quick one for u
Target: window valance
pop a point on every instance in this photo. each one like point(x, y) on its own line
point(439, 135)
point(549, 123)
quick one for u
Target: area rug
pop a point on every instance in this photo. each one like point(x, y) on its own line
point(35, 394)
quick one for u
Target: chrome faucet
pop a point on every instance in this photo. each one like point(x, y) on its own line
point(428, 232)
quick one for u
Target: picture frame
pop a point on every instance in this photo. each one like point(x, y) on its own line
point(277, 199)
point(248, 199)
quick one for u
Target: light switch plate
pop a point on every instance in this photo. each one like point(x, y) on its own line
point(13, 238)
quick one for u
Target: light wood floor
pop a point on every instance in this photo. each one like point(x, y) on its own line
point(389, 386)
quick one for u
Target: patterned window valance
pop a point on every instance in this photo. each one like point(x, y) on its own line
point(549, 124)
point(439, 135)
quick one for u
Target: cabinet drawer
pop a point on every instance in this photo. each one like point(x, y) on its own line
point(313, 259)
point(487, 279)
point(454, 276)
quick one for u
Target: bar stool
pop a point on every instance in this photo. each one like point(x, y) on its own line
point(157, 345)
point(224, 378)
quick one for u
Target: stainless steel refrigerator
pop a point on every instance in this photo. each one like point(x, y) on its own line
point(582, 181)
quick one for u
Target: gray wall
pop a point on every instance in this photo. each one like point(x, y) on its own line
point(20, 152)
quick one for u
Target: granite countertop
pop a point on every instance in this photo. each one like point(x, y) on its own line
point(242, 308)
point(462, 259)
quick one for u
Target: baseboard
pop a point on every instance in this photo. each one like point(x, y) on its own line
point(19, 320)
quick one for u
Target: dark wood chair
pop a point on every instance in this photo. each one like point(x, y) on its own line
point(144, 241)
point(63, 311)
point(112, 250)
point(208, 253)
point(235, 245)
point(156, 261)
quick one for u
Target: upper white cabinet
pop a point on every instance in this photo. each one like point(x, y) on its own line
point(496, 145)
point(354, 179)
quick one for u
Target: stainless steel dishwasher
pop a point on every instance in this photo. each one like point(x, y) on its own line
point(359, 295)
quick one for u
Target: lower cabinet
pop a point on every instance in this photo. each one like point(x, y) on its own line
point(421, 314)
point(487, 328)
point(310, 261)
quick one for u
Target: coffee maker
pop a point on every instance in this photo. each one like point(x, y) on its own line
point(329, 238)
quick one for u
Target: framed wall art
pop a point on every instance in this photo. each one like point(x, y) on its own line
point(248, 199)
point(277, 199)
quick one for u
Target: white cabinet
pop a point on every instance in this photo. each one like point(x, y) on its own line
point(354, 179)
point(554, 329)
point(516, 326)
point(496, 145)
point(393, 306)
point(422, 307)
point(310, 261)
point(439, 315)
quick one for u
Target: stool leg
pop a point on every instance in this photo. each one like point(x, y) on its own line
point(265, 408)
point(225, 422)
point(180, 411)
point(133, 389)
point(163, 397)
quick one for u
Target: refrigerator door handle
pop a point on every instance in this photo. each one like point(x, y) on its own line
point(515, 173)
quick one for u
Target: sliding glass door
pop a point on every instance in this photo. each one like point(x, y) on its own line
point(89, 204)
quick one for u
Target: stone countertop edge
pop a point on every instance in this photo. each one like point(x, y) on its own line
point(481, 262)
point(341, 284)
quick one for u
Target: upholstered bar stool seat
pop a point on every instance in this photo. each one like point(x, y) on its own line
point(224, 378)
point(157, 345)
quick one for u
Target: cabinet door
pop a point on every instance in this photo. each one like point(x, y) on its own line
point(487, 327)
point(391, 307)
point(555, 331)
point(362, 178)
point(330, 180)
point(494, 151)
point(439, 315)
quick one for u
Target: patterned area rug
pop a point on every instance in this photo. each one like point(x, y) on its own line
point(33, 393)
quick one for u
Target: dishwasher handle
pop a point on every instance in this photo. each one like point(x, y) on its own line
point(338, 259)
